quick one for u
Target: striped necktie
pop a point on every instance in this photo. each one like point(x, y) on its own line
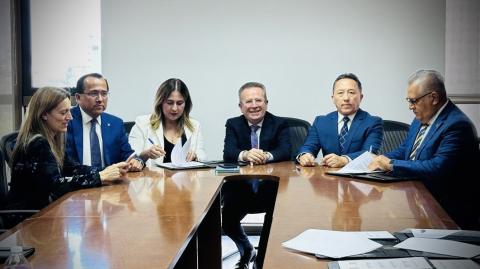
point(96, 156)
point(343, 135)
point(418, 141)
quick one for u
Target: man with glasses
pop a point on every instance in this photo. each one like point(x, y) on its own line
point(344, 134)
point(441, 149)
point(94, 137)
point(256, 137)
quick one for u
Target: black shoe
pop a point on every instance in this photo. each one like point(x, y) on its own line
point(246, 260)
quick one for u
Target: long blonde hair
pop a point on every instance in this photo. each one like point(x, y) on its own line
point(163, 92)
point(43, 101)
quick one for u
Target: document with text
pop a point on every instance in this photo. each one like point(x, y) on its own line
point(358, 165)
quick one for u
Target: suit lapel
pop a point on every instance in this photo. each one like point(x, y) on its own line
point(105, 127)
point(333, 118)
point(433, 132)
point(78, 132)
point(156, 135)
point(415, 128)
point(265, 133)
point(354, 128)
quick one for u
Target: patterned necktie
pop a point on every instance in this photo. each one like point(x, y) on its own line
point(254, 140)
point(253, 136)
point(343, 135)
point(95, 146)
point(418, 141)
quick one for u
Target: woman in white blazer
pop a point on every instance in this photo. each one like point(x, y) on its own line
point(153, 136)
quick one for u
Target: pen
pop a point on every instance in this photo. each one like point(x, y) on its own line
point(131, 156)
point(151, 141)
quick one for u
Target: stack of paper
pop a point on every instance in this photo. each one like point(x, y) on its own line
point(358, 165)
point(332, 244)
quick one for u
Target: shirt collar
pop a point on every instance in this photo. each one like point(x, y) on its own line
point(340, 117)
point(432, 120)
point(258, 124)
point(86, 118)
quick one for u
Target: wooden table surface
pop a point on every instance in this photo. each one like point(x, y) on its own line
point(144, 221)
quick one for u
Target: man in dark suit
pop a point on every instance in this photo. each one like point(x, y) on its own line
point(344, 134)
point(256, 137)
point(441, 149)
point(94, 137)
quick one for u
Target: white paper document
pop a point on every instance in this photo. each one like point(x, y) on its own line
point(179, 157)
point(399, 263)
point(455, 264)
point(332, 244)
point(440, 246)
point(375, 234)
point(432, 233)
point(358, 165)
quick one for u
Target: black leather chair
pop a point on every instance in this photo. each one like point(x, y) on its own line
point(128, 126)
point(298, 132)
point(7, 143)
point(394, 133)
point(9, 218)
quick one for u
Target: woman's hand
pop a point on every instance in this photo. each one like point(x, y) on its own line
point(153, 152)
point(191, 156)
point(114, 171)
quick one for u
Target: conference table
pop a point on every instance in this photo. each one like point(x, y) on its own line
point(161, 218)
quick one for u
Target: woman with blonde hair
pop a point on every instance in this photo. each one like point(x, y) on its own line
point(41, 172)
point(153, 136)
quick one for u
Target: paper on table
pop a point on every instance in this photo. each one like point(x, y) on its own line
point(440, 246)
point(179, 153)
point(332, 244)
point(455, 264)
point(375, 234)
point(179, 157)
point(432, 233)
point(358, 165)
point(399, 263)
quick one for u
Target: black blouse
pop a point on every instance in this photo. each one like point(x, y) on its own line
point(168, 147)
point(37, 179)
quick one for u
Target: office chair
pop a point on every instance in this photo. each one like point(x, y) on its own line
point(7, 143)
point(298, 130)
point(9, 218)
point(128, 126)
point(394, 133)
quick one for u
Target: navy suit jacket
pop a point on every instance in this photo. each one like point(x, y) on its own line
point(365, 131)
point(115, 141)
point(445, 163)
point(274, 138)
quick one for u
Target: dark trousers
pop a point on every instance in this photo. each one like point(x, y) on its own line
point(240, 198)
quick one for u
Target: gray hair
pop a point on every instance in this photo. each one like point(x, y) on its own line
point(429, 81)
point(252, 85)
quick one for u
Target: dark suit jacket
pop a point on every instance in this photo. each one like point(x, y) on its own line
point(446, 162)
point(115, 141)
point(274, 138)
point(365, 131)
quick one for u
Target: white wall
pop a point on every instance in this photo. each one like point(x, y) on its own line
point(296, 48)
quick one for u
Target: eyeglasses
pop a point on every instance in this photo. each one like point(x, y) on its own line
point(95, 94)
point(413, 101)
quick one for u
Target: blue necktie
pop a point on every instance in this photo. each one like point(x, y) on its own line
point(343, 135)
point(253, 136)
point(96, 156)
point(254, 141)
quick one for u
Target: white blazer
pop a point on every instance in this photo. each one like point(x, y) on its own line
point(142, 131)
